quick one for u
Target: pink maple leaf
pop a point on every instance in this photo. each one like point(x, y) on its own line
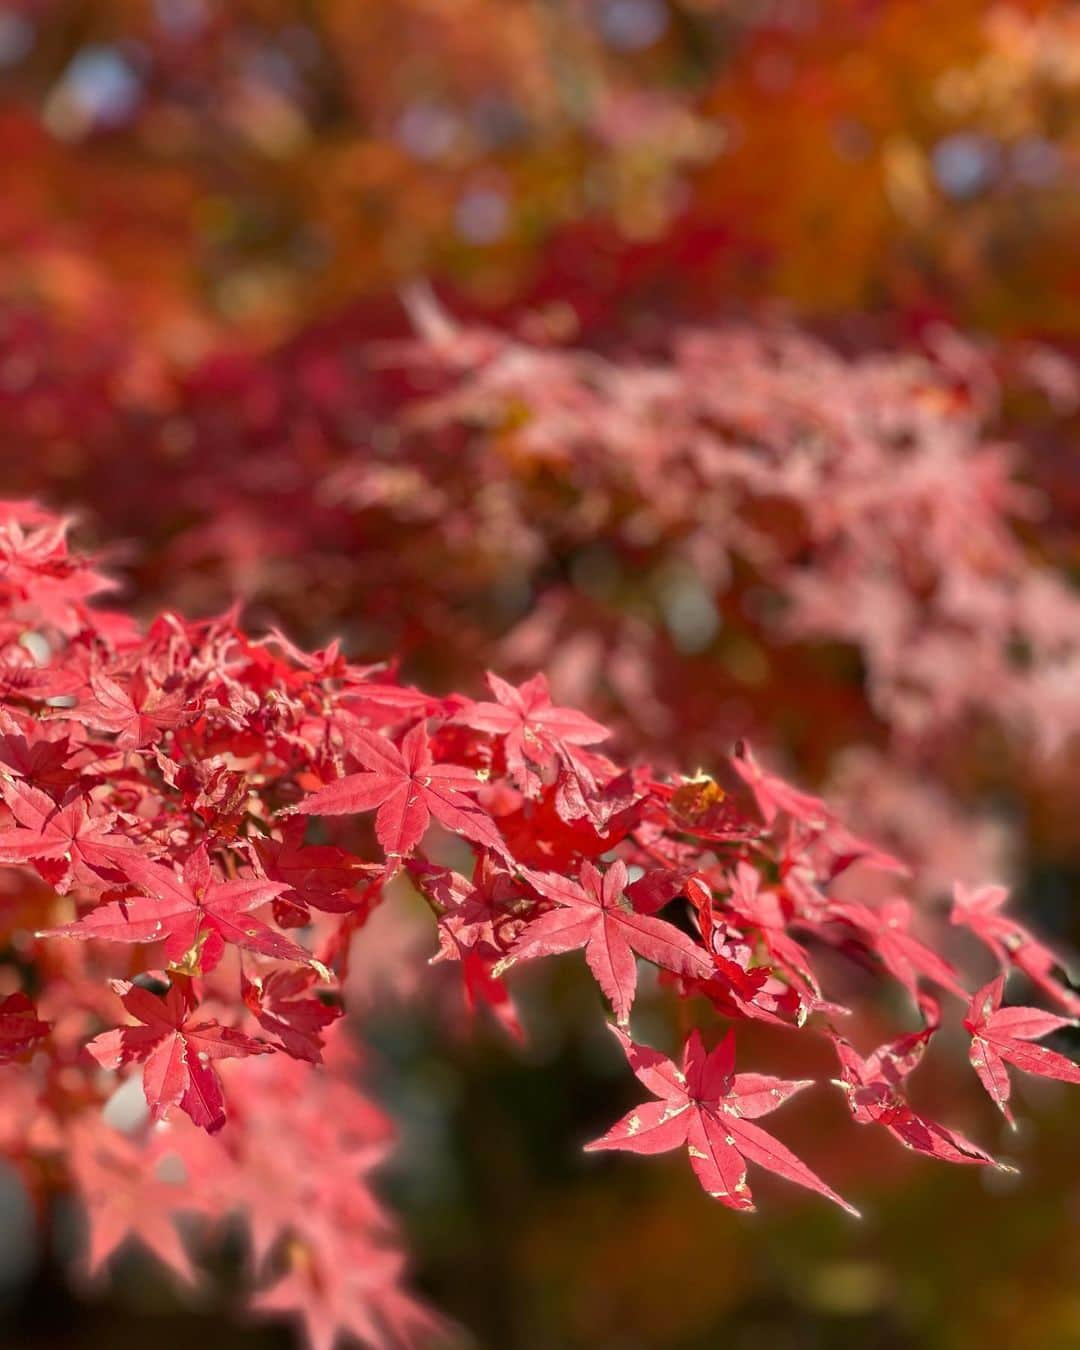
point(126, 1200)
point(763, 909)
point(601, 914)
point(195, 915)
point(773, 795)
point(709, 1108)
point(405, 788)
point(874, 1089)
point(318, 875)
point(533, 729)
point(887, 931)
point(979, 908)
point(1001, 1036)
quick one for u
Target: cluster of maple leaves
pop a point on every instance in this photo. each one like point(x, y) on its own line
point(732, 496)
point(170, 906)
point(863, 496)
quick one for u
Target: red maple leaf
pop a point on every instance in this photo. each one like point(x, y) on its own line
point(485, 912)
point(280, 1005)
point(359, 1297)
point(979, 909)
point(42, 760)
point(709, 1108)
point(886, 930)
point(700, 806)
point(136, 713)
point(478, 919)
point(316, 875)
point(773, 795)
point(36, 564)
point(539, 834)
point(810, 820)
point(739, 989)
point(80, 845)
point(195, 915)
point(601, 913)
point(874, 1089)
point(21, 678)
point(176, 1051)
point(533, 729)
point(406, 788)
point(1000, 1036)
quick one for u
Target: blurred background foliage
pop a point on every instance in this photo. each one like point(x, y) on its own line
point(207, 207)
point(253, 164)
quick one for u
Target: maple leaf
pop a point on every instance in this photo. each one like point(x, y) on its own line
point(486, 912)
point(874, 1090)
point(177, 1053)
point(279, 1005)
point(315, 1190)
point(532, 728)
point(20, 1029)
point(36, 563)
point(42, 762)
point(327, 663)
point(600, 914)
point(819, 833)
point(738, 989)
point(539, 834)
point(136, 714)
point(886, 931)
point(316, 875)
point(582, 794)
point(195, 915)
point(773, 795)
point(379, 704)
point(359, 1297)
point(709, 1108)
point(1001, 1036)
point(126, 1200)
point(406, 788)
point(84, 845)
point(22, 679)
point(979, 908)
